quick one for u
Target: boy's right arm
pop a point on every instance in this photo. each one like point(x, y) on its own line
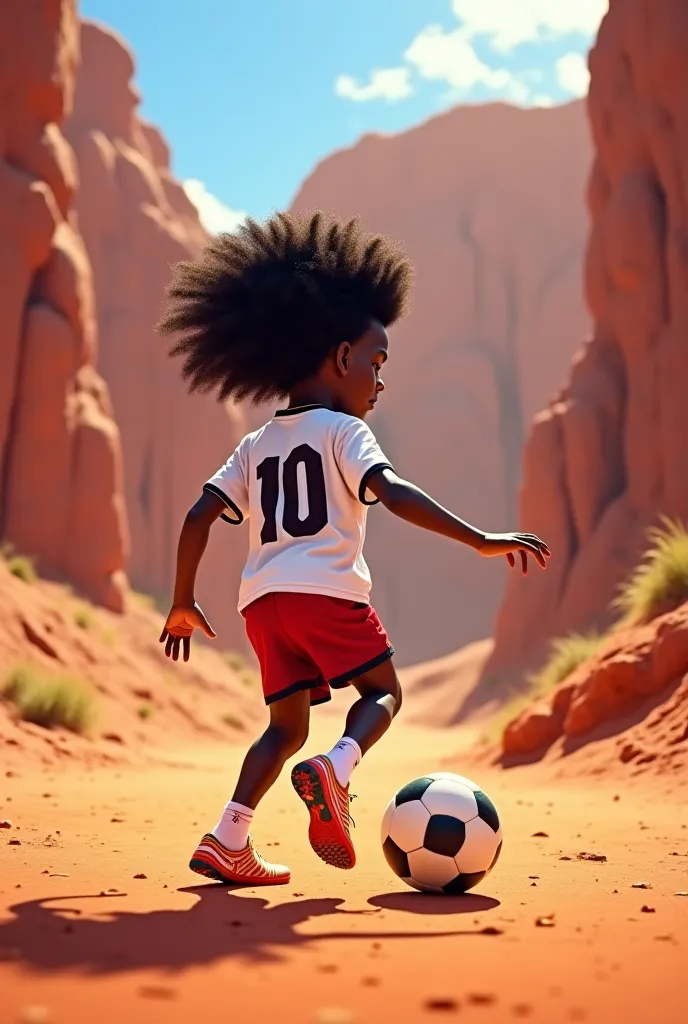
point(185, 615)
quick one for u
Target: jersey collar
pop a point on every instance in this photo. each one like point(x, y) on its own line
point(298, 409)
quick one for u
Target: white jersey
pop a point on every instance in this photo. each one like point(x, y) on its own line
point(301, 482)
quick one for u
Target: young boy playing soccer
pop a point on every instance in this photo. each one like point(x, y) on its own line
point(298, 308)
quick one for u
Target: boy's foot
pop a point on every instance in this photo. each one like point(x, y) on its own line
point(236, 867)
point(328, 804)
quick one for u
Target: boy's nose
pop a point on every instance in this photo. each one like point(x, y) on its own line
point(380, 385)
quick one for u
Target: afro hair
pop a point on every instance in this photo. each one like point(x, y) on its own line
point(262, 308)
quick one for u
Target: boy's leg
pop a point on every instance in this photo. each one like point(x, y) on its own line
point(226, 853)
point(323, 782)
point(284, 736)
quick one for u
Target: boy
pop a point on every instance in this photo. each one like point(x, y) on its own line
point(298, 308)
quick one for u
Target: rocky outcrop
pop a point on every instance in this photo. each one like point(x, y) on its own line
point(60, 458)
point(642, 671)
point(607, 457)
point(137, 221)
point(488, 201)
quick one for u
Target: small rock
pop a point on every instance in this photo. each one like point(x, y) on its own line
point(647, 910)
point(681, 894)
point(566, 858)
point(5, 823)
point(370, 982)
point(593, 856)
point(533, 884)
point(297, 894)
point(521, 1010)
point(491, 930)
point(116, 821)
point(533, 876)
point(141, 875)
point(545, 922)
point(59, 874)
point(14, 842)
point(640, 885)
point(157, 992)
point(540, 835)
point(446, 1005)
point(327, 968)
point(481, 998)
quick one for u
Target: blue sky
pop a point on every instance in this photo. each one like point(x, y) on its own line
point(251, 94)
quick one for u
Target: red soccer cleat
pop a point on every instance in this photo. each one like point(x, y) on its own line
point(236, 867)
point(328, 804)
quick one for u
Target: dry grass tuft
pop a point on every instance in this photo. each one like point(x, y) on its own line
point(47, 700)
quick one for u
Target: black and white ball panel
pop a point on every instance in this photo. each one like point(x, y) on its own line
point(441, 833)
point(445, 796)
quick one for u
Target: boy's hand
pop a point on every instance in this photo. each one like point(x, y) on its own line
point(180, 624)
point(510, 544)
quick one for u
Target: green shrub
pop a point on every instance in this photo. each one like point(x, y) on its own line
point(660, 583)
point(232, 720)
point(83, 616)
point(144, 711)
point(22, 566)
point(566, 654)
point(48, 700)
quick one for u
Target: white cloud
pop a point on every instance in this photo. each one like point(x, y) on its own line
point(389, 84)
point(510, 22)
point(213, 213)
point(573, 75)
point(450, 58)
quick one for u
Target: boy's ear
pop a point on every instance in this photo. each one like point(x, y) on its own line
point(342, 358)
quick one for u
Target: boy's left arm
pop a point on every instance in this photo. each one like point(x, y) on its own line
point(409, 502)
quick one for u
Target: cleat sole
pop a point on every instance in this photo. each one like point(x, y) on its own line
point(327, 837)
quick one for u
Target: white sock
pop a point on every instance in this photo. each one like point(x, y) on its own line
point(344, 756)
point(232, 828)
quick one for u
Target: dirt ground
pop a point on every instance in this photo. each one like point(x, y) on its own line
point(82, 938)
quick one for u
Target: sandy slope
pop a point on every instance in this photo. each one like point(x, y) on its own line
point(83, 939)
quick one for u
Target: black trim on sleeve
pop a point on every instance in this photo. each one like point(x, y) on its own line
point(340, 681)
point(299, 408)
point(364, 482)
point(213, 489)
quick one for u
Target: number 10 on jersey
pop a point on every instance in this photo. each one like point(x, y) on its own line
point(268, 473)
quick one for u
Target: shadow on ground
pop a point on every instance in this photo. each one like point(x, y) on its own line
point(51, 934)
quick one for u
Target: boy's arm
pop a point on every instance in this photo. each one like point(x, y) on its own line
point(408, 502)
point(185, 615)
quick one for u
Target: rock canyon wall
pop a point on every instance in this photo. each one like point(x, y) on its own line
point(60, 457)
point(489, 202)
point(137, 221)
point(607, 456)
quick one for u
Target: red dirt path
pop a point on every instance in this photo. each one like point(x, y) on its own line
point(336, 946)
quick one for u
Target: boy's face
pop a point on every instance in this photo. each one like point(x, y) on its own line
point(359, 367)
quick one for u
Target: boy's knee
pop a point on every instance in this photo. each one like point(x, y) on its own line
point(289, 740)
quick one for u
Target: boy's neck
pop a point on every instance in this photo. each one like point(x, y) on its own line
point(311, 393)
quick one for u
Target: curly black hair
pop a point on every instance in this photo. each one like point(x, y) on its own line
point(261, 309)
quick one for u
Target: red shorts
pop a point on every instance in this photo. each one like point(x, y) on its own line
point(313, 642)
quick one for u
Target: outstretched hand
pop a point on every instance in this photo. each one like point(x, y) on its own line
point(511, 544)
point(180, 624)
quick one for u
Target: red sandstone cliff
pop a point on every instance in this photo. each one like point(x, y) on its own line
point(488, 201)
point(137, 221)
point(607, 456)
point(60, 458)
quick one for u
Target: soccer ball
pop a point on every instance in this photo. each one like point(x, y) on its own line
point(441, 833)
